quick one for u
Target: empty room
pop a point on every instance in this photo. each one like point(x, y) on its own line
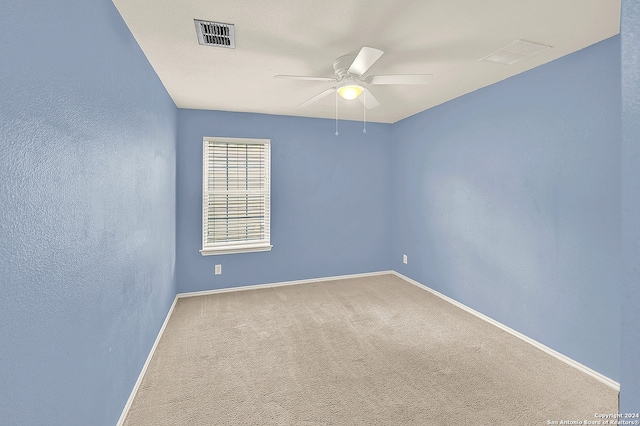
point(319, 213)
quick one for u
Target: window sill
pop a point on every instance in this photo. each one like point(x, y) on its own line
point(236, 249)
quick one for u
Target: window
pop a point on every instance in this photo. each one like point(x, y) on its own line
point(235, 195)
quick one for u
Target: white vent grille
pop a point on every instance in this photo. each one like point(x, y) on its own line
point(215, 34)
point(515, 52)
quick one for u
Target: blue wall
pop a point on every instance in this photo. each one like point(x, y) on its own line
point(330, 204)
point(87, 212)
point(508, 200)
point(630, 356)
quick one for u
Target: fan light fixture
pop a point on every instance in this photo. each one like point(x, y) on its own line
point(351, 83)
point(350, 91)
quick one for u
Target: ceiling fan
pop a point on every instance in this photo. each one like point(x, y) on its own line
point(350, 70)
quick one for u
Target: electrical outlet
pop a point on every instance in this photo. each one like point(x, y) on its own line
point(404, 259)
point(218, 269)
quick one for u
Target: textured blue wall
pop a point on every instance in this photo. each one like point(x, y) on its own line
point(508, 200)
point(630, 356)
point(330, 204)
point(87, 212)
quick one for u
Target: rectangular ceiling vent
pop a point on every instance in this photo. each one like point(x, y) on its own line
point(515, 52)
point(215, 34)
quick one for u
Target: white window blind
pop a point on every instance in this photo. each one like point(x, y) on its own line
point(236, 195)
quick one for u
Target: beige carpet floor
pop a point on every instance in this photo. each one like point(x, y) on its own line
point(363, 351)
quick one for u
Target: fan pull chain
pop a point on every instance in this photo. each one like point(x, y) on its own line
point(336, 113)
point(364, 109)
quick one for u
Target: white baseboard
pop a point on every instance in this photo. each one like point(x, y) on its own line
point(283, 283)
point(134, 391)
point(600, 377)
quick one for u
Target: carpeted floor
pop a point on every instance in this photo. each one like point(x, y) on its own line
point(363, 351)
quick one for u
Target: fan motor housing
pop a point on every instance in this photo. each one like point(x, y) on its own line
point(342, 64)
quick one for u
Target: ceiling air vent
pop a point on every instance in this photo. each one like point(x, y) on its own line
point(215, 34)
point(515, 52)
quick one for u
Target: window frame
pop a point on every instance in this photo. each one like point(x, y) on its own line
point(232, 247)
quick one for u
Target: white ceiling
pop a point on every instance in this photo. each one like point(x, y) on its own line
point(446, 38)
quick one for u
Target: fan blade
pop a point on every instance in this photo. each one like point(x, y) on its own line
point(304, 77)
point(317, 97)
point(366, 57)
point(368, 99)
point(400, 79)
